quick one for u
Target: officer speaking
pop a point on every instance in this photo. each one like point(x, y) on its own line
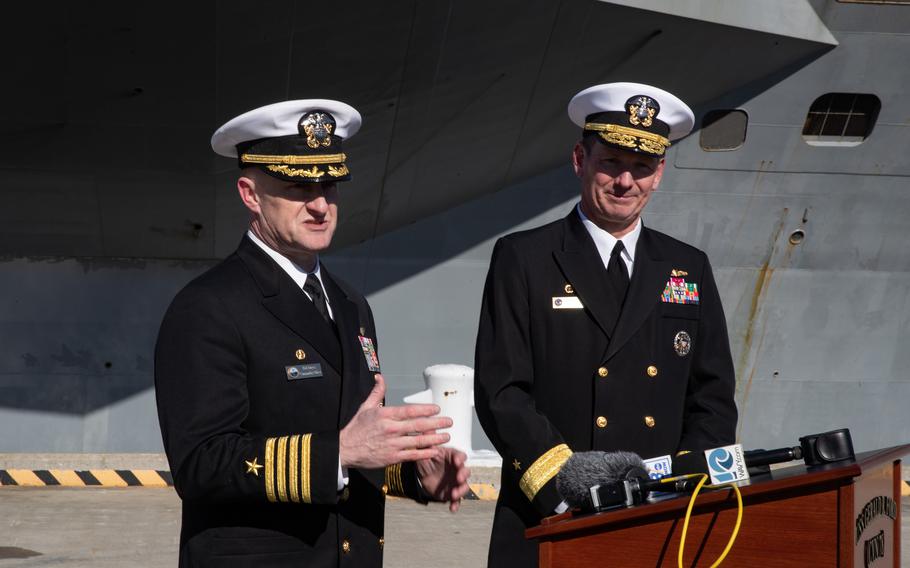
point(267, 374)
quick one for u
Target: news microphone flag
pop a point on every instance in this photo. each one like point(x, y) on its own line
point(727, 464)
point(658, 467)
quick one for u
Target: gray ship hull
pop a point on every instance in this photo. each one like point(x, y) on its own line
point(113, 204)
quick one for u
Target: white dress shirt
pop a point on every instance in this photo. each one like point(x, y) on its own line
point(298, 274)
point(605, 242)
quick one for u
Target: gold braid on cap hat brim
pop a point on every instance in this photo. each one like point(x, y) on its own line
point(630, 137)
point(312, 173)
point(293, 160)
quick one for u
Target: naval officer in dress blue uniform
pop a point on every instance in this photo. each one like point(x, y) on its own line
point(596, 332)
point(267, 374)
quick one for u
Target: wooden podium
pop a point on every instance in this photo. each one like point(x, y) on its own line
point(844, 515)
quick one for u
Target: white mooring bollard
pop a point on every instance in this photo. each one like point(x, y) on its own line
point(452, 388)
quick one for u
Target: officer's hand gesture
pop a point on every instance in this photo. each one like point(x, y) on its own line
point(379, 435)
point(445, 477)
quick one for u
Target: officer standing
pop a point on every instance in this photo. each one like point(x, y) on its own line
point(267, 376)
point(597, 333)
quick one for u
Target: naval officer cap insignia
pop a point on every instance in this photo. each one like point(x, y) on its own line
point(297, 141)
point(631, 116)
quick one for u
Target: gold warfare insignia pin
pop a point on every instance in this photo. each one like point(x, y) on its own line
point(682, 343)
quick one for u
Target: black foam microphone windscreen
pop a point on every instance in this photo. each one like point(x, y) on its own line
point(585, 470)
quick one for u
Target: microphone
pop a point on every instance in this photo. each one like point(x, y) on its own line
point(586, 470)
point(594, 481)
point(827, 447)
point(637, 489)
point(732, 464)
point(697, 462)
point(756, 458)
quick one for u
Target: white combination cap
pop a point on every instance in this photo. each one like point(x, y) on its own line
point(296, 141)
point(632, 116)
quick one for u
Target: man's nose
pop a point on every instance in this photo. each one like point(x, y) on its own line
point(624, 179)
point(318, 204)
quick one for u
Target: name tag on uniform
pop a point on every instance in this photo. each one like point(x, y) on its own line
point(296, 372)
point(567, 303)
point(369, 353)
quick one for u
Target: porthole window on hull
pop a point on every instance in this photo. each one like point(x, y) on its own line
point(723, 130)
point(841, 119)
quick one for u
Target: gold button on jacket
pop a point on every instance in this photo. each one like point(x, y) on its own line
point(652, 371)
point(649, 421)
point(603, 372)
point(346, 546)
point(602, 421)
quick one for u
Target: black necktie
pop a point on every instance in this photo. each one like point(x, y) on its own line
point(617, 272)
point(314, 289)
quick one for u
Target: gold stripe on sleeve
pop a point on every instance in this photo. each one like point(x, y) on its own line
point(543, 470)
point(294, 468)
point(305, 492)
point(393, 480)
point(270, 469)
point(282, 474)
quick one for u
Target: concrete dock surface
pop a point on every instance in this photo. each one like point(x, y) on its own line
point(123, 527)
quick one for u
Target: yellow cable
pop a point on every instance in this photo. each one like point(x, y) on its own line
point(739, 519)
point(678, 477)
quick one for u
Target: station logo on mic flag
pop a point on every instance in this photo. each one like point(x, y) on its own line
point(658, 467)
point(727, 464)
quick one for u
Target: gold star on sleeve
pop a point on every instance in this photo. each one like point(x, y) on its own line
point(253, 467)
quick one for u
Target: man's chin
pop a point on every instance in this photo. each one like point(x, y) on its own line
point(317, 243)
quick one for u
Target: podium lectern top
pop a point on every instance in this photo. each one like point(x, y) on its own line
point(795, 516)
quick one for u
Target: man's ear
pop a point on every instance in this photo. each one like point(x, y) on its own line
point(658, 174)
point(246, 187)
point(578, 158)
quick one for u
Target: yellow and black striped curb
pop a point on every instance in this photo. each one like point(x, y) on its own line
point(143, 478)
point(160, 478)
point(476, 492)
point(482, 492)
point(86, 478)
